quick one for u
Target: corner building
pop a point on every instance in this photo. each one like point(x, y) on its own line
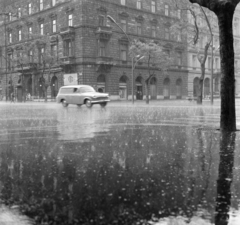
point(90, 49)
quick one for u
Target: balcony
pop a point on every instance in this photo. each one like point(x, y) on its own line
point(104, 60)
point(26, 67)
point(104, 32)
point(67, 32)
point(67, 60)
point(104, 63)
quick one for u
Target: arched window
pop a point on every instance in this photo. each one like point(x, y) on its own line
point(196, 87)
point(101, 83)
point(179, 88)
point(123, 87)
point(166, 88)
point(153, 88)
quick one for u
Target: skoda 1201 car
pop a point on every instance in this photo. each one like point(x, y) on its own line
point(81, 94)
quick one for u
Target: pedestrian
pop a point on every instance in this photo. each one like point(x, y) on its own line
point(12, 97)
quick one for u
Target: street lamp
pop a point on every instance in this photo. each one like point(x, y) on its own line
point(211, 87)
point(5, 46)
point(137, 57)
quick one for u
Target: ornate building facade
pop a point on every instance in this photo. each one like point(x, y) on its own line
point(91, 49)
point(212, 65)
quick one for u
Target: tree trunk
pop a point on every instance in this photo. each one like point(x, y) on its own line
point(45, 92)
point(228, 114)
point(147, 92)
point(201, 80)
point(200, 95)
point(225, 176)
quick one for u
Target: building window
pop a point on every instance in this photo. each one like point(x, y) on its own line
point(139, 28)
point(9, 61)
point(153, 6)
point(167, 33)
point(209, 63)
point(29, 31)
point(68, 48)
point(41, 5)
point(19, 34)
point(123, 2)
point(29, 8)
point(41, 29)
point(124, 24)
point(123, 53)
point(9, 16)
point(101, 20)
point(102, 49)
point(53, 2)
point(194, 61)
point(54, 50)
point(70, 20)
point(167, 52)
point(30, 56)
point(19, 12)
point(54, 25)
point(139, 4)
point(10, 37)
point(41, 54)
point(166, 10)
point(179, 36)
point(154, 29)
point(179, 58)
point(217, 65)
point(179, 13)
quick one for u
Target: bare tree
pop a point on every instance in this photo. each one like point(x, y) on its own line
point(155, 58)
point(224, 10)
point(193, 34)
point(47, 60)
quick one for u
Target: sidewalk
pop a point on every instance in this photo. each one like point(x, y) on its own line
point(168, 102)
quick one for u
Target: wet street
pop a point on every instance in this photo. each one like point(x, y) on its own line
point(157, 164)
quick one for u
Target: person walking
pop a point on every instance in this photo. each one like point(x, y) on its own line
point(12, 97)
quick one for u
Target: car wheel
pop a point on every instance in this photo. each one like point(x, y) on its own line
point(103, 104)
point(79, 105)
point(64, 103)
point(88, 103)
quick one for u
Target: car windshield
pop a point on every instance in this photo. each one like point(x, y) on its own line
point(86, 89)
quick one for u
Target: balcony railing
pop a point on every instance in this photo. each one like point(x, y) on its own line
point(67, 60)
point(67, 30)
point(104, 32)
point(104, 63)
point(104, 60)
point(26, 67)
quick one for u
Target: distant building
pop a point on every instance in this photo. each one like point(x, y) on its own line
point(89, 48)
point(193, 62)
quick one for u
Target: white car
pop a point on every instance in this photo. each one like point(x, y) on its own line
point(81, 94)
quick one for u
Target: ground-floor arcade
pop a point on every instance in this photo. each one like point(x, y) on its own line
point(118, 82)
point(193, 84)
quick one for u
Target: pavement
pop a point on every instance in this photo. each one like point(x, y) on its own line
point(168, 102)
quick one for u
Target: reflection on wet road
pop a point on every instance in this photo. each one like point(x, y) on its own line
point(119, 165)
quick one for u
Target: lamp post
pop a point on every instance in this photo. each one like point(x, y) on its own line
point(212, 54)
point(211, 88)
point(138, 57)
point(5, 46)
